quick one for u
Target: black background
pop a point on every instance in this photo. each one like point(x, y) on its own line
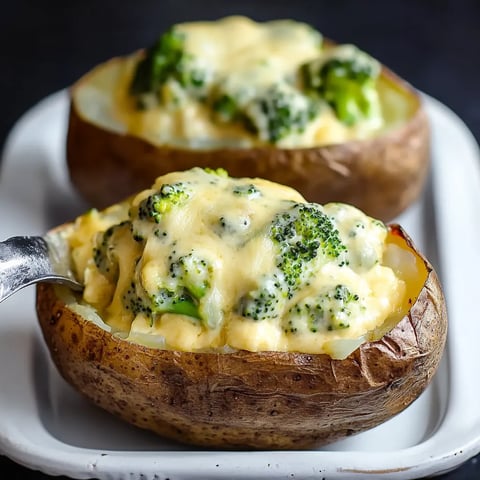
point(45, 45)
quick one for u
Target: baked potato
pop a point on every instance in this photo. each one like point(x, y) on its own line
point(272, 100)
point(274, 323)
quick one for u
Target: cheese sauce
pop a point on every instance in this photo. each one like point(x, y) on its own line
point(242, 59)
point(202, 261)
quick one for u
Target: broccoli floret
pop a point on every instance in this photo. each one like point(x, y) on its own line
point(193, 273)
point(161, 202)
point(347, 82)
point(178, 301)
point(226, 108)
point(136, 303)
point(236, 229)
point(104, 253)
point(249, 191)
point(182, 293)
point(300, 234)
point(165, 300)
point(219, 172)
point(279, 112)
point(193, 277)
point(165, 60)
point(328, 311)
point(266, 302)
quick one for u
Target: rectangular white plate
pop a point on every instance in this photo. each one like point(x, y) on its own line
point(45, 425)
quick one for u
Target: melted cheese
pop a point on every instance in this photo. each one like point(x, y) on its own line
point(238, 44)
point(225, 223)
point(242, 57)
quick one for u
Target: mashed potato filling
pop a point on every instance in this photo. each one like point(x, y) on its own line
point(202, 261)
point(238, 83)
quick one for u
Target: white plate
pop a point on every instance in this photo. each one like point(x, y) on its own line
point(45, 425)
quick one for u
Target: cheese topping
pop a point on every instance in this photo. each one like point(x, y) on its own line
point(202, 261)
point(238, 83)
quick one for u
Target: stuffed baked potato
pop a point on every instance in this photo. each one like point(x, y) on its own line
point(231, 313)
point(273, 100)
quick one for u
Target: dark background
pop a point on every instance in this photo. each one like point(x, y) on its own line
point(45, 45)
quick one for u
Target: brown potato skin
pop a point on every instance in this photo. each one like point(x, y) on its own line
point(264, 400)
point(381, 176)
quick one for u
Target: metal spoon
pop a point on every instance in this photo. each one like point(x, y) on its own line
point(28, 260)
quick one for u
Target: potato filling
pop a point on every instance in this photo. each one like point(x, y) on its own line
point(241, 83)
point(202, 261)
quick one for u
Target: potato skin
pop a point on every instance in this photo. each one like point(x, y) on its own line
point(264, 400)
point(381, 176)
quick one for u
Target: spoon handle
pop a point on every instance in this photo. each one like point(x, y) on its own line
point(23, 261)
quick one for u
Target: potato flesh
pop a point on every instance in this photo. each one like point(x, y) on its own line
point(240, 263)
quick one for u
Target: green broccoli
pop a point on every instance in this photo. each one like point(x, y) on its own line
point(136, 303)
point(218, 172)
point(279, 112)
point(249, 191)
point(193, 273)
point(330, 310)
point(300, 234)
point(104, 253)
point(182, 292)
point(226, 108)
point(178, 301)
point(168, 196)
point(165, 300)
point(165, 61)
point(266, 302)
point(347, 82)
